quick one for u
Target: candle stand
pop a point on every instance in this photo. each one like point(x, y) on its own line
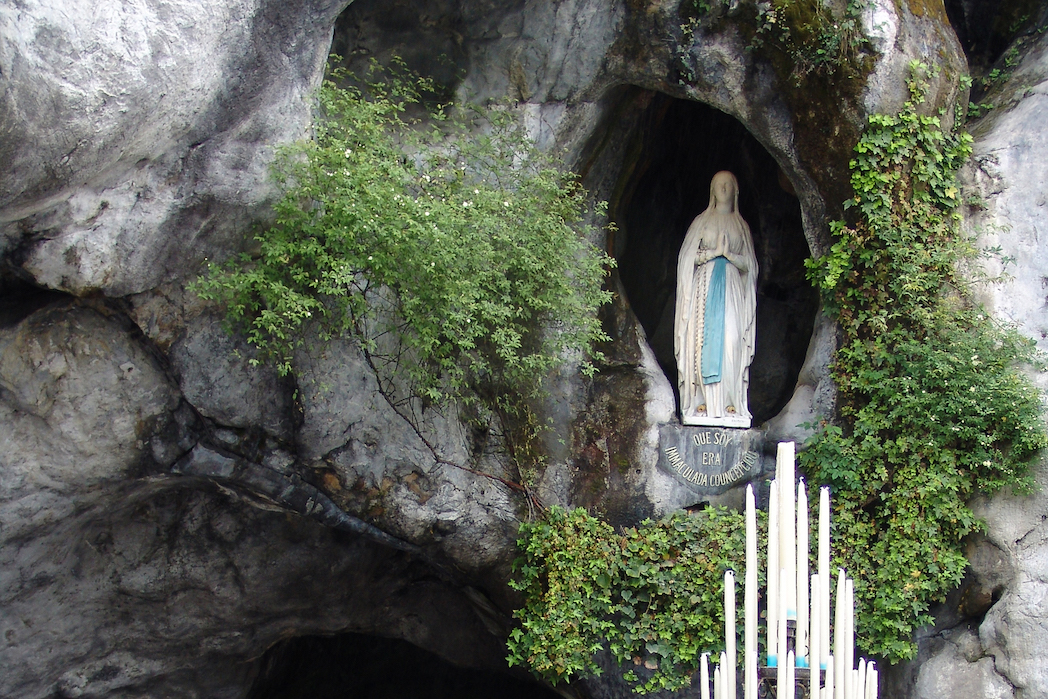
point(767, 675)
point(797, 604)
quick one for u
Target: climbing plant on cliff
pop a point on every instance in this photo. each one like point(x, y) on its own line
point(449, 248)
point(932, 406)
point(653, 596)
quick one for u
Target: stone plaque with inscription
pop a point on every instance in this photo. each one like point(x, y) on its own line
point(709, 460)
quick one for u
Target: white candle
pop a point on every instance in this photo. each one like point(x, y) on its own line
point(860, 680)
point(849, 637)
point(814, 651)
point(791, 675)
point(773, 573)
point(802, 575)
point(750, 601)
point(780, 672)
point(704, 676)
point(871, 680)
point(728, 676)
point(718, 690)
point(827, 690)
point(824, 573)
point(751, 682)
point(723, 675)
point(784, 473)
point(838, 638)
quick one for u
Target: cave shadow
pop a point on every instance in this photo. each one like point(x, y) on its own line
point(676, 148)
point(361, 666)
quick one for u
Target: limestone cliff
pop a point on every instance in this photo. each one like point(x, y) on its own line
point(168, 510)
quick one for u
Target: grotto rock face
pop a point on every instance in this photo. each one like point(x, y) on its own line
point(989, 638)
point(1011, 153)
point(136, 138)
point(169, 509)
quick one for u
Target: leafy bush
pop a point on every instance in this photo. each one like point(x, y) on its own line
point(451, 250)
point(932, 406)
point(652, 596)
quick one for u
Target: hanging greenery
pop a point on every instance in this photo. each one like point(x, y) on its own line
point(932, 405)
point(652, 596)
point(449, 248)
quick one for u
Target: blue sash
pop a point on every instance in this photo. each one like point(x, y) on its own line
point(713, 324)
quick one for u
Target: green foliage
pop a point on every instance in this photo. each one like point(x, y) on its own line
point(652, 596)
point(451, 250)
point(932, 407)
point(815, 37)
point(1016, 25)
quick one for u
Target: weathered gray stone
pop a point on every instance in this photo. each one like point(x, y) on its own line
point(814, 396)
point(79, 401)
point(149, 481)
point(1011, 167)
point(216, 376)
point(137, 138)
point(172, 590)
point(410, 466)
point(951, 674)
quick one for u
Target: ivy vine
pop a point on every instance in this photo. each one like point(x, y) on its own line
point(652, 596)
point(932, 406)
point(933, 409)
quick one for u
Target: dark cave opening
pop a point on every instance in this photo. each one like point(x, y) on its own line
point(987, 28)
point(677, 146)
point(19, 298)
point(360, 666)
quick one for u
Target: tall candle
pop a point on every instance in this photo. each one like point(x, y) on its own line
point(838, 638)
point(791, 675)
point(723, 675)
point(750, 601)
point(824, 573)
point(784, 473)
point(751, 675)
point(814, 651)
point(828, 690)
point(728, 676)
point(773, 573)
point(780, 673)
point(704, 676)
point(849, 637)
point(802, 575)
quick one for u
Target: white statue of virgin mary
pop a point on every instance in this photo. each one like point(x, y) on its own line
point(716, 312)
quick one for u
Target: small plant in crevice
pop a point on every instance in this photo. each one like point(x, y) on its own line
point(651, 596)
point(932, 406)
point(816, 38)
point(449, 249)
point(1023, 33)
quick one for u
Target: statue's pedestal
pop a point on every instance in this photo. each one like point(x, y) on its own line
point(709, 460)
point(729, 421)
